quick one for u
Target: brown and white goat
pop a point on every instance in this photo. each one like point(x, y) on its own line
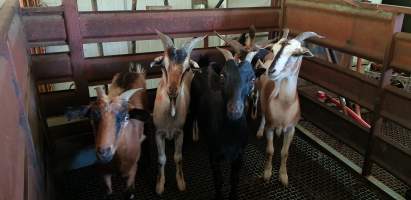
point(279, 99)
point(172, 103)
point(119, 119)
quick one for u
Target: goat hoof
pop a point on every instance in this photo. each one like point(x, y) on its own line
point(284, 179)
point(181, 184)
point(160, 186)
point(129, 196)
point(260, 133)
point(267, 175)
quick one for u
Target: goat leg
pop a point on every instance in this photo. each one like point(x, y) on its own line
point(236, 166)
point(160, 140)
point(269, 153)
point(261, 128)
point(288, 137)
point(130, 183)
point(218, 179)
point(178, 159)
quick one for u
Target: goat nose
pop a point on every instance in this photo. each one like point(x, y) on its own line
point(236, 107)
point(104, 152)
point(172, 92)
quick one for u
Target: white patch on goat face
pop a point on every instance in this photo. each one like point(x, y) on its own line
point(286, 49)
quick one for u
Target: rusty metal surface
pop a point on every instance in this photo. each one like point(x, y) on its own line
point(353, 30)
point(129, 25)
point(51, 67)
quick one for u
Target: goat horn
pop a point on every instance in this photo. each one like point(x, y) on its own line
point(233, 43)
point(100, 92)
point(305, 35)
point(166, 40)
point(226, 53)
point(189, 46)
point(125, 96)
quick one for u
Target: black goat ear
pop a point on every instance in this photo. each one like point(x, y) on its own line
point(139, 114)
point(259, 71)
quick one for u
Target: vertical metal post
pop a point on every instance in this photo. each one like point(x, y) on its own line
point(133, 43)
point(100, 49)
point(219, 4)
point(377, 121)
point(75, 43)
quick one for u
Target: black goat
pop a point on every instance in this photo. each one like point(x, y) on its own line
point(218, 97)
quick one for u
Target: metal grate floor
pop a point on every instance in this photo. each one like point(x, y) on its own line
point(312, 175)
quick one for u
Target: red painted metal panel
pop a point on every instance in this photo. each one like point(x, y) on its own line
point(128, 25)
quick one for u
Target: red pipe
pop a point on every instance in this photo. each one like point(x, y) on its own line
point(322, 96)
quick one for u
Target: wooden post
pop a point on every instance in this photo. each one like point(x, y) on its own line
point(75, 43)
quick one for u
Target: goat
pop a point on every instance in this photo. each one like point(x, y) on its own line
point(119, 121)
point(171, 104)
point(243, 45)
point(218, 105)
point(279, 99)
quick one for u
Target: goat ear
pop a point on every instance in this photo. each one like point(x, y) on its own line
point(303, 51)
point(259, 71)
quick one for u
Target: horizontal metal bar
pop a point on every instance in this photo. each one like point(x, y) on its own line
point(52, 10)
point(130, 25)
point(52, 66)
point(402, 51)
point(357, 31)
point(355, 86)
point(45, 29)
